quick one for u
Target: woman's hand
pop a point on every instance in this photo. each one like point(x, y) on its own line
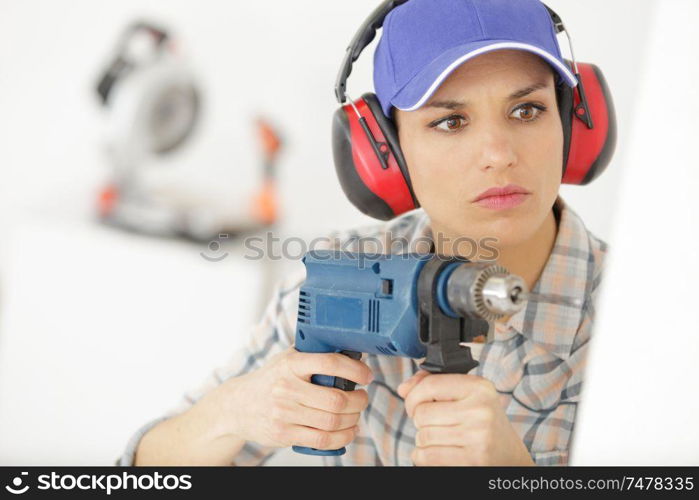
point(460, 421)
point(278, 406)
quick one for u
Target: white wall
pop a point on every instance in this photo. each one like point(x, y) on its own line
point(276, 57)
point(640, 405)
point(614, 36)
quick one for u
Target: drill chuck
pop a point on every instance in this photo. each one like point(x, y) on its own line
point(486, 291)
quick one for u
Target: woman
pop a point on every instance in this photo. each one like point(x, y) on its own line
point(479, 127)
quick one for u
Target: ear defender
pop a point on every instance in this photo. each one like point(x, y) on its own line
point(369, 161)
point(589, 126)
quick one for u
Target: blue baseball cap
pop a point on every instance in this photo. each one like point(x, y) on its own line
point(423, 41)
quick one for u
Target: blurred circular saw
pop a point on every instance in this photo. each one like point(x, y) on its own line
point(153, 105)
point(151, 95)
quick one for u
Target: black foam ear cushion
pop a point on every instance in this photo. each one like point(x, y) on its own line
point(564, 98)
point(388, 128)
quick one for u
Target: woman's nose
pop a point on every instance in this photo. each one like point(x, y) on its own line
point(497, 149)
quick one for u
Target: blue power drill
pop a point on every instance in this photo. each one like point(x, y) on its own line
point(410, 305)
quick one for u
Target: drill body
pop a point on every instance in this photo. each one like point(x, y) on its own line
point(367, 306)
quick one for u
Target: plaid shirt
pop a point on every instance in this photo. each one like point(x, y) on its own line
point(535, 360)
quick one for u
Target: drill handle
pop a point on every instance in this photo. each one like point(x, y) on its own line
point(339, 383)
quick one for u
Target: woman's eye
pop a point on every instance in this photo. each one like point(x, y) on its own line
point(452, 124)
point(528, 112)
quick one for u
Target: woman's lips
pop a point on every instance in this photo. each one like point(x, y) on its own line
point(501, 198)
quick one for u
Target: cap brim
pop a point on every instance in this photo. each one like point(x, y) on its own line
point(421, 87)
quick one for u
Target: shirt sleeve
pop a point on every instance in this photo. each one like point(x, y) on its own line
point(558, 457)
point(273, 334)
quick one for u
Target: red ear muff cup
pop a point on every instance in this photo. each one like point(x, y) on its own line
point(590, 150)
point(352, 184)
point(388, 129)
point(377, 192)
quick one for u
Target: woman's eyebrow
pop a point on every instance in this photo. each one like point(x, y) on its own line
point(527, 90)
point(448, 104)
point(518, 94)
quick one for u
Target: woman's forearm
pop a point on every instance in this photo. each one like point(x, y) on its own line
point(190, 438)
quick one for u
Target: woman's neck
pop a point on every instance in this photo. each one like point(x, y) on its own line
point(528, 258)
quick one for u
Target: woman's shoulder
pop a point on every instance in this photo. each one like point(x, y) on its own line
point(590, 251)
point(397, 235)
point(578, 239)
point(598, 250)
point(379, 237)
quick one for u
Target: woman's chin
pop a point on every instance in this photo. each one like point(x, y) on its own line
point(506, 228)
point(507, 232)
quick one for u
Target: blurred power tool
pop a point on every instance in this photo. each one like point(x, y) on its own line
point(265, 206)
point(152, 104)
point(411, 305)
point(151, 97)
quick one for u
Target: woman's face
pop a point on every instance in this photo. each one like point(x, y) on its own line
point(493, 122)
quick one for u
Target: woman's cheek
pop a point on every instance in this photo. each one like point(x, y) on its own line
point(437, 189)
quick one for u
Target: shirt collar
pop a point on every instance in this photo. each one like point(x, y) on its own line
point(553, 319)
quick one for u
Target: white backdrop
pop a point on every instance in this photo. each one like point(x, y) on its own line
point(640, 404)
point(99, 330)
